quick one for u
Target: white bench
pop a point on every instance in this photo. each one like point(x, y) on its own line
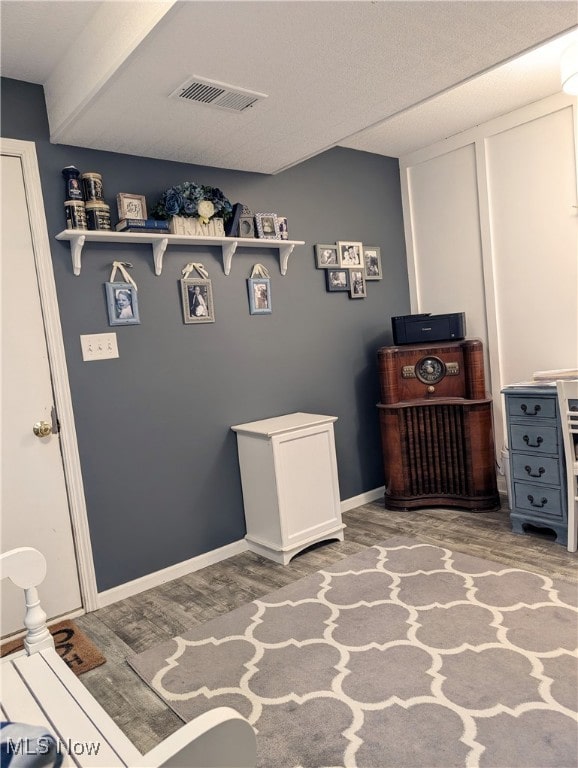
point(39, 689)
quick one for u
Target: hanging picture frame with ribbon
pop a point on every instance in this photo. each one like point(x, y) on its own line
point(197, 295)
point(259, 287)
point(122, 297)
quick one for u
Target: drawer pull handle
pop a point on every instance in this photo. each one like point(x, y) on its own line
point(543, 501)
point(535, 412)
point(540, 472)
point(537, 444)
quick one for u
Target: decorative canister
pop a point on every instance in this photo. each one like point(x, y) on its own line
point(92, 186)
point(75, 214)
point(73, 188)
point(97, 214)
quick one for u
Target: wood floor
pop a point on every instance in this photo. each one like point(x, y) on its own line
point(145, 620)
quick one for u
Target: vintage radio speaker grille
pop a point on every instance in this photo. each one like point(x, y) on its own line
point(435, 450)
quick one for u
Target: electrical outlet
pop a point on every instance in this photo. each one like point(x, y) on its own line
point(99, 346)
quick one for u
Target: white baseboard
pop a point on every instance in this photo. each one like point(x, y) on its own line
point(157, 578)
point(151, 580)
point(363, 498)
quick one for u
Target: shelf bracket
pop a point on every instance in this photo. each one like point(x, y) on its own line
point(228, 252)
point(284, 252)
point(76, 246)
point(159, 248)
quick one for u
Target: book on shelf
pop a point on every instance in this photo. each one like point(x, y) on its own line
point(140, 225)
point(149, 230)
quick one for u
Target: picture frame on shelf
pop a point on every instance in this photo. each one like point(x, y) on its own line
point(131, 206)
point(246, 226)
point(259, 295)
point(197, 296)
point(122, 304)
point(326, 256)
point(267, 226)
point(350, 254)
point(337, 280)
point(358, 287)
point(283, 231)
point(372, 262)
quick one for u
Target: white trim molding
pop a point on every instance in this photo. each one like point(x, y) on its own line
point(134, 587)
point(363, 498)
point(26, 152)
point(131, 588)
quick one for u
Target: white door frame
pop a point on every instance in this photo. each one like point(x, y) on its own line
point(26, 151)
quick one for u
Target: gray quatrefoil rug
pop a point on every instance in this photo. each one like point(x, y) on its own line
point(405, 655)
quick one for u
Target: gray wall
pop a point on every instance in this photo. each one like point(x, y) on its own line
point(159, 460)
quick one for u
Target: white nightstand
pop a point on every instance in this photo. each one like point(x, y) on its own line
point(290, 484)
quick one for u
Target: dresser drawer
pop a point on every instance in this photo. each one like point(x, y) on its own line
point(532, 438)
point(536, 469)
point(541, 501)
point(521, 407)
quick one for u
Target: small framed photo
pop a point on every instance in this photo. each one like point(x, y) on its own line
point(283, 232)
point(372, 262)
point(267, 226)
point(337, 279)
point(326, 256)
point(259, 295)
point(357, 288)
point(131, 206)
point(197, 295)
point(246, 226)
point(122, 304)
point(350, 254)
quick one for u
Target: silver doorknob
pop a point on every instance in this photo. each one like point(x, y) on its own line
point(42, 429)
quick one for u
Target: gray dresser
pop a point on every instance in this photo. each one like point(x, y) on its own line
point(537, 474)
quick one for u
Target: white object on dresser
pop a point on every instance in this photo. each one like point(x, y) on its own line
point(38, 688)
point(290, 483)
point(568, 404)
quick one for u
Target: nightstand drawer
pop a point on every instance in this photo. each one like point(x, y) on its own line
point(520, 407)
point(535, 469)
point(532, 438)
point(538, 500)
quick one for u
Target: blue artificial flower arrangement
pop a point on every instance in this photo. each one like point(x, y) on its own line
point(190, 199)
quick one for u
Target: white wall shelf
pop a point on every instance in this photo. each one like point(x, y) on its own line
point(159, 243)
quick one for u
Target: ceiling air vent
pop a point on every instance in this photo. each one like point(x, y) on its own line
point(214, 94)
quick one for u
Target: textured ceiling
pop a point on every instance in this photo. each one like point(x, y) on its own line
point(384, 77)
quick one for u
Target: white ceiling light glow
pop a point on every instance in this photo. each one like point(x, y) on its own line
point(569, 69)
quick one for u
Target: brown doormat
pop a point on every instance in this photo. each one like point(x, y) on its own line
point(72, 645)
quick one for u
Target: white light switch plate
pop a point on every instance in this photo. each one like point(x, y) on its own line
point(99, 346)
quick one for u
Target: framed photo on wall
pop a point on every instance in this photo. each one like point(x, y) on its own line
point(197, 296)
point(326, 256)
point(259, 295)
point(122, 304)
point(358, 288)
point(372, 262)
point(337, 280)
point(350, 254)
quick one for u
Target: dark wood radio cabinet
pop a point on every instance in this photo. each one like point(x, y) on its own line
point(436, 427)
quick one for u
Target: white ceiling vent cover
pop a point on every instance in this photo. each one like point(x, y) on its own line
point(214, 94)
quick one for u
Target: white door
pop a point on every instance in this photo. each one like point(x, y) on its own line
point(35, 507)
